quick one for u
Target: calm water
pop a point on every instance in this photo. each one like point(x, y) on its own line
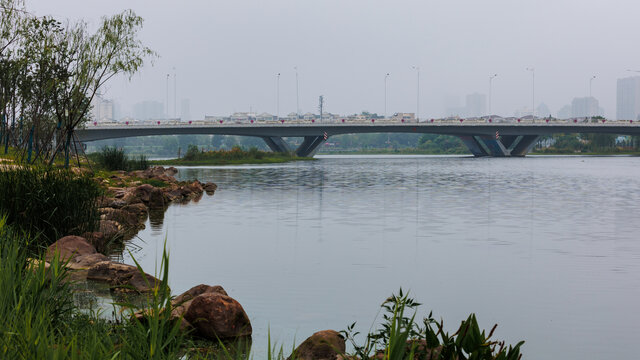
point(547, 247)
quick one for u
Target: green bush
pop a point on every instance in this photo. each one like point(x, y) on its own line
point(192, 153)
point(113, 158)
point(402, 338)
point(48, 201)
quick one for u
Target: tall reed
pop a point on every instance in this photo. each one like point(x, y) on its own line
point(49, 201)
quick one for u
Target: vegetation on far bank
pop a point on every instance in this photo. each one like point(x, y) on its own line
point(236, 155)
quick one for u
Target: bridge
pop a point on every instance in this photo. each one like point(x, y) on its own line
point(482, 137)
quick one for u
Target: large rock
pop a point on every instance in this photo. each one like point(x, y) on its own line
point(110, 228)
point(121, 216)
point(156, 198)
point(69, 247)
point(210, 188)
point(84, 262)
point(122, 277)
point(323, 345)
point(182, 302)
point(216, 316)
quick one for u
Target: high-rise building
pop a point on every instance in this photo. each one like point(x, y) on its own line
point(476, 105)
point(101, 109)
point(185, 109)
point(628, 98)
point(148, 110)
point(585, 107)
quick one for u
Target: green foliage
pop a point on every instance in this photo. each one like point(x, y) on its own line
point(194, 156)
point(442, 144)
point(192, 153)
point(48, 201)
point(112, 158)
point(402, 338)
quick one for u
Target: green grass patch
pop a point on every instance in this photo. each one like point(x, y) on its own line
point(235, 156)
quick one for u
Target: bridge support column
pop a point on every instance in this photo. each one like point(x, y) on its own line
point(474, 146)
point(309, 145)
point(525, 145)
point(510, 145)
point(276, 144)
point(495, 146)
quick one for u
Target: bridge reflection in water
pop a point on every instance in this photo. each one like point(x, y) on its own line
point(483, 138)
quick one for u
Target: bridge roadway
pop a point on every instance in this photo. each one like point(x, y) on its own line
point(481, 137)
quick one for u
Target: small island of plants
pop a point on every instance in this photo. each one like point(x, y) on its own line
point(235, 156)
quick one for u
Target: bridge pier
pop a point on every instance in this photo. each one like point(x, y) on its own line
point(505, 146)
point(276, 144)
point(309, 145)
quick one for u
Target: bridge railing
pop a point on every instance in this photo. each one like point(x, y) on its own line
point(370, 122)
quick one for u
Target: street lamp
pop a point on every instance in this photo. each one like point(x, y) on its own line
point(278, 97)
point(590, 97)
point(167, 107)
point(385, 95)
point(417, 69)
point(533, 93)
point(297, 98)
point(490, 80)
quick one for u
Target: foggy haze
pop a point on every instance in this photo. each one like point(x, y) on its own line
point(226, 54)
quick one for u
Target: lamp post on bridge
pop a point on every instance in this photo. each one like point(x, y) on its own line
point(297, 98)
point(590, 96)
point(385, 95)
point(417, 69)
point(490, 84)
point(278, 97)
point(533, 93)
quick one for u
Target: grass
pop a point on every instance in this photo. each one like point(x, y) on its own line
point(50, 202)
point(235, 156)
point(112, 159)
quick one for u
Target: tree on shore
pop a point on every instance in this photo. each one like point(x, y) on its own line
point(52, 71)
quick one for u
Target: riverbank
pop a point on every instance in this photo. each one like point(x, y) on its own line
point(235, 156)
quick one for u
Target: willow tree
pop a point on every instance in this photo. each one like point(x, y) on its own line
point(85, 63)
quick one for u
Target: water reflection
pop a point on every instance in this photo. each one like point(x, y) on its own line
point(546, 247)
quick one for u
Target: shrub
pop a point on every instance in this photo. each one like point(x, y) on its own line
point(48, 201)
point(192, 153)
point(113, 158)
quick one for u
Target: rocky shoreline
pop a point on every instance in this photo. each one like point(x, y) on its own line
point(204, 311)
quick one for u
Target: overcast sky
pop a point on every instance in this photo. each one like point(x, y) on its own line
point(226, 54)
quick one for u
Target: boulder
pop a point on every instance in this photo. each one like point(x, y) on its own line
point(119, 215)
point(143, 191)
point(182, 302)
point(217, 316)
point(140, 210)
point(109, 228)
point(69, 247)
point(323, 345)
point(156, 198)
point(122, 277)
point(83, 262)
point(210, 188)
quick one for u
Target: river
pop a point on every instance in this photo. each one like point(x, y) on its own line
point(546, 247)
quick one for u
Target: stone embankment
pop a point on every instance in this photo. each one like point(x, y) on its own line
point(204, 311)
point(131, 196)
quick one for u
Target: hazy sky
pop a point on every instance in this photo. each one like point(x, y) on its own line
point(226, 54)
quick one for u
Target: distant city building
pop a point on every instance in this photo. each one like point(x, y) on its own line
point(476, 105)
point(102, 109)
point(628, 98)
point(564, 112)
point(148, 110)
point(585, 107)
point(543, 110)
point(407, 117)
point(185, 109)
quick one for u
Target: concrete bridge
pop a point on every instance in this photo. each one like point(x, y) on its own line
point(482, 137)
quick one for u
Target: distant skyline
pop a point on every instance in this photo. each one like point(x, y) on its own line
point(226, 54)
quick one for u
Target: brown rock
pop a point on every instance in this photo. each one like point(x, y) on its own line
point(69, 247)
point(156, 198)
point(119, 215)
point(216, 316)
point(182, 302)
point(143, 191)
point(122, 277)
point(210, 188)
point(86, 261)
point(109, 228)
point(323, 345)
point(139, 209)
